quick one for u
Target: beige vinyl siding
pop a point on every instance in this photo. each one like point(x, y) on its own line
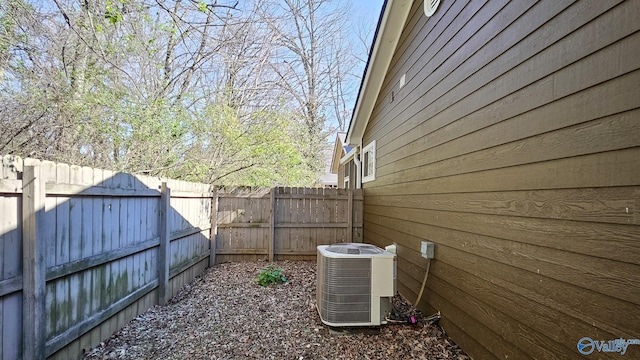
point(515, 147)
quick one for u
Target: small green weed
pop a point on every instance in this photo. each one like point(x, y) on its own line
point(271, 275)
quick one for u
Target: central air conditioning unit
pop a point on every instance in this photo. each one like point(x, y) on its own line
point(355, 284)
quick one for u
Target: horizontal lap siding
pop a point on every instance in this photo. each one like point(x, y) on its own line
point(515, 147)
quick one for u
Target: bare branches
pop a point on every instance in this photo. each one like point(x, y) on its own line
point(217, 90)
point(312, 59)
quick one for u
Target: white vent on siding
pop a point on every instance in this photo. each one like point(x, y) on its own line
point(430, 6)
point(403, 80)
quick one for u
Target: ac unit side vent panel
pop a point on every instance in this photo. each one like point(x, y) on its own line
point(355, 283)
point(344, 294)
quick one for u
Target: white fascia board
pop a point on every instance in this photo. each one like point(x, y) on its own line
point(393, 20)
point(349, 156)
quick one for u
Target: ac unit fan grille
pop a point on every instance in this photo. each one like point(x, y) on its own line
point(344, 290)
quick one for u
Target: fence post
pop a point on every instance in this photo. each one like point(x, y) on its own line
point(350, 216)
point(33, 265)
point(214, 228)
point(164, 259)
point(272, 224)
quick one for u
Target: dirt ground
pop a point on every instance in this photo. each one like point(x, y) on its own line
point(225, 314)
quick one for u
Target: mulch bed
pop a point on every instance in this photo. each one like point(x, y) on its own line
point(225, 314)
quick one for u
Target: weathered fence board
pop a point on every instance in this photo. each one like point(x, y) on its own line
point(284, 223)
point(11, 268)
point(99, 252)
point(33, 264)
point(114, 246)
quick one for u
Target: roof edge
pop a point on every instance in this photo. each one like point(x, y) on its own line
point(338, 149)
point(348, 156)
point(392, 19)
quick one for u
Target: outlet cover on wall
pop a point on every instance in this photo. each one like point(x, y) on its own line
point(427, 249)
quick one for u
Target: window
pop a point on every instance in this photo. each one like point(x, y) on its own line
point(347, 173)
point(369, 162)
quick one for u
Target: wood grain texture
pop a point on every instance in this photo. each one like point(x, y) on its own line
point(514, 146)
point(473, 60)
point(100, 249)
point(570, 261)
point(610, 133)
point(164, 252)
point(272, 222)
point(615, 205)
point(518, 65)
point(12, 333)
point(34, 264)
point(301, 219)
point(614, 168)
point(508, 121)
point(551, 322)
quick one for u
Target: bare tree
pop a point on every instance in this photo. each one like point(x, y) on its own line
point(310, 59)
point(206, 90)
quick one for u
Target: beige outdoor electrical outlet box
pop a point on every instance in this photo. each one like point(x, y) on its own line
point(427, 249)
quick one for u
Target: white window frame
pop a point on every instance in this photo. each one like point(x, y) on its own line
point(371, 158)
point(347, 174)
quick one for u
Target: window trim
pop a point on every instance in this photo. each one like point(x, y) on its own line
point(370, 148)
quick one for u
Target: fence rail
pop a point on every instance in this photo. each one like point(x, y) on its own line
point(85, 250)
point(283, 222)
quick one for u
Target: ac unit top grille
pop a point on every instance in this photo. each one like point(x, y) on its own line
point(354, 249)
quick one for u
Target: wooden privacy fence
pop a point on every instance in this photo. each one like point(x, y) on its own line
point(285, 223)
point(85, 250)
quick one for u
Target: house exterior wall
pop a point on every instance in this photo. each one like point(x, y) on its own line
point(515, 147)
point(348, 169)
point(341, 171)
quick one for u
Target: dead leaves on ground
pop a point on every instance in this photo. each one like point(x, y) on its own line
point(225, 314)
